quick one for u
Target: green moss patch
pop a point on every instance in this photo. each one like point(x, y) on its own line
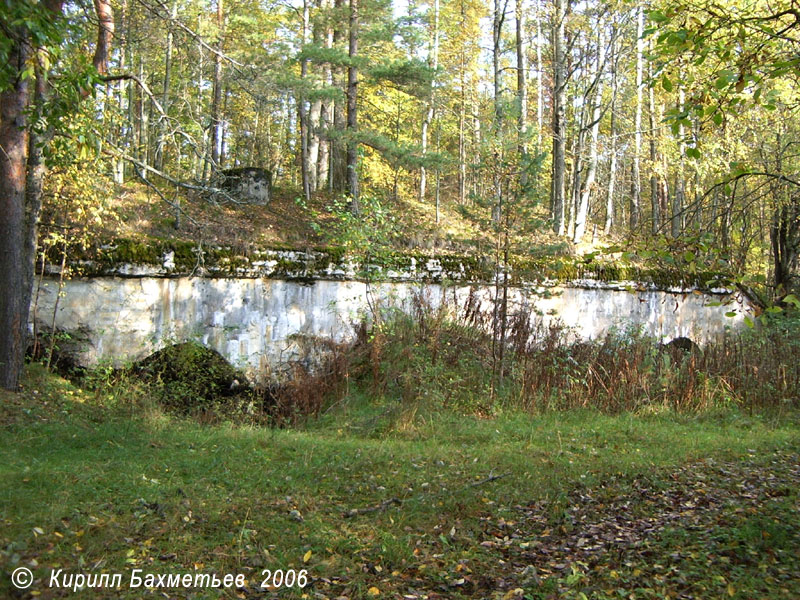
point(174, 258)
point(190, 377)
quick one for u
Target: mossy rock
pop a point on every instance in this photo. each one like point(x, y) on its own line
point(190, 377)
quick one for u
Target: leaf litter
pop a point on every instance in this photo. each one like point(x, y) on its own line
point(712, 528)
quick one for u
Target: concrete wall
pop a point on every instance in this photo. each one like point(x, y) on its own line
point(262, 325)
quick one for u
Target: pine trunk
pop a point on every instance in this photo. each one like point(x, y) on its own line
point(14, 140)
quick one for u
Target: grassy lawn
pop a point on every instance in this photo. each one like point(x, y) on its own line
point(560, 505)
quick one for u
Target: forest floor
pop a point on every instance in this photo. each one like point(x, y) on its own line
point(135, 212)
point(557, 505)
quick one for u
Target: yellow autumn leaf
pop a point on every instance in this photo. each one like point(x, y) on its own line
point(731, 590)
point(373, 591)
point(307, 556)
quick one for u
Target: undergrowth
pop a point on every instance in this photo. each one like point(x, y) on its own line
point(408, 364)
point(445, 358)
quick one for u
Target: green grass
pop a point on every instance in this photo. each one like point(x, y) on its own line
point(117, 485)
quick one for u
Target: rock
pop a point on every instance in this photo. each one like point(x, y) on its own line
point(682, 344)
point(251, 185)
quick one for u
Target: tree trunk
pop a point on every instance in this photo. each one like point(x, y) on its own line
point(314, 118)
point(164, 123)
point(578, 143)
point(497, 35)
point(539, 86)
point(22, 172)
point(216, 103)
point(636, 184)
point(522, 93)
point(431, 107)
point(337, 177)
point(588, 182)
point(14, 140)
point(462, 142)
point(144, 123)
point(680, 184)
point(477, 139)
point(612, 169)
point(122, 130)
point(352, 108)
point(559, 129)
point(326, 113)
point(302, 114)
point(654, 199)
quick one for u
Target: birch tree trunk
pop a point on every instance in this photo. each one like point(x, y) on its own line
point(216, 103)
point(522, 92)
point(636, 185)
point(433, 62)
point(559, 133)
point(612, 169)
point(163, 121)
point(680, 183)
point(302, 114)
point(118, 164)
point(591, 172)
point(654, 201)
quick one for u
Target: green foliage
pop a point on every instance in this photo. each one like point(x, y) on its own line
point(367, 237)
point(739, 44)
point(411, 76)
point(43, 29)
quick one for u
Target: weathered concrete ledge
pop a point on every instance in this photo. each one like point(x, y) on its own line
point(169, 258)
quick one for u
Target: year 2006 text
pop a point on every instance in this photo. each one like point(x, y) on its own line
point(280, 578)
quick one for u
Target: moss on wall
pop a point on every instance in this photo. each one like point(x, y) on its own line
point(159, 257)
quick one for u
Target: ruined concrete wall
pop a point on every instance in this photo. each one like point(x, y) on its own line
point(262, 325)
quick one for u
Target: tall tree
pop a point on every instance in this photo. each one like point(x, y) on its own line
point(612, 169)
point(636, 177)
point(34, 30)
point(302, 111)
point(587, 186)
point(559, 122)
point(433, 61)
point(216, 101)
point(352, 110)
point(522, 88)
